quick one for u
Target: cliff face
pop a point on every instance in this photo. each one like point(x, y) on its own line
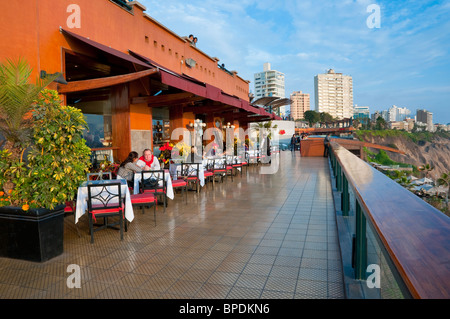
point(435, 153)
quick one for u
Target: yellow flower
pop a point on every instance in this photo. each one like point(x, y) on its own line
point(26, 207)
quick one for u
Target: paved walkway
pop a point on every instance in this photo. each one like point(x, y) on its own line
point(260, 236)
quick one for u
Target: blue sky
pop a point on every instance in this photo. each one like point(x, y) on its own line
point(405, 62)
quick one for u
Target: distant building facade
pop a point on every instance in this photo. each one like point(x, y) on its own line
point(397, 114)
point(270, 83)
point(426, 119)
point(334, 94)
point(407, 125)
point(361, 112)
point(300, 104)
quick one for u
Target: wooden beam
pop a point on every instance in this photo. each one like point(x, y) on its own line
point(345, 142)
point(176, 102)
point(208, 109)
point(167, 99)
point(84, 85)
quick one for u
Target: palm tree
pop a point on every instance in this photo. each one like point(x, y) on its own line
point(17, 98)
point(266, 127)
point(427, 168)
point(445, 180)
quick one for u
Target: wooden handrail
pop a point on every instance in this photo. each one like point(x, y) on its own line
point(415, 234)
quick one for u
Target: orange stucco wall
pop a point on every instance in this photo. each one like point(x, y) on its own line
point(30, 29)
point(312, 147)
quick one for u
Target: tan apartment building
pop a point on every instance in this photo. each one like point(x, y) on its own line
point(334, 94)
point(300, 104)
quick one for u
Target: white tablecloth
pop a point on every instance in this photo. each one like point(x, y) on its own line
point(82, 199)
point(137, 179)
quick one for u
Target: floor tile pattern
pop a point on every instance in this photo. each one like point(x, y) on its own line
point(261, 236)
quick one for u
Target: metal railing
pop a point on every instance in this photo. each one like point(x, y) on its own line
point(400, 245)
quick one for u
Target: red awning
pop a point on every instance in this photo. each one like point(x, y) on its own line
point(182, 84)
point(189, 84)
point(106, 49)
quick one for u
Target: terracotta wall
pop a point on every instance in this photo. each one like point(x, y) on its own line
point(312, 147)
point(31, 28)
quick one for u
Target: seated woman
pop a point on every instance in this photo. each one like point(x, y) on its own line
point(128, 167)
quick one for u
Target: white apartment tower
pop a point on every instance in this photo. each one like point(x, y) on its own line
point(334, 94)
point(270, 83)
point(300, 104)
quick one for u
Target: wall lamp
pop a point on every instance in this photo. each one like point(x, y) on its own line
point(59, 79)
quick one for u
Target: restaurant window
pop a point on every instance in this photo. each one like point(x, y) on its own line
point(161, 128)
point(96, 107)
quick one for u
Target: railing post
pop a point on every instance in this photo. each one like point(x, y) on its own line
point(360, 244)
point(338, 177)
point(345, 202)
point(333, 163)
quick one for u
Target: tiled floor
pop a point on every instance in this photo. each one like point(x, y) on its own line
point(260, 236)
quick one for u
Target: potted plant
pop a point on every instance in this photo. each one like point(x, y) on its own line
point(166, 153)
point(43, 159)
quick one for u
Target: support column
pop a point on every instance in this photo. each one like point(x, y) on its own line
point(360, 244)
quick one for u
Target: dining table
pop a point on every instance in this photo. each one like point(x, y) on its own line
point(82, 197)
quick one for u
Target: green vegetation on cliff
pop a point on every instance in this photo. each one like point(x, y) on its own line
point(416, 137)
point(383, 158)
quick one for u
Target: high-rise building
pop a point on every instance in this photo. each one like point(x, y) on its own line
point(334, 94)
point(397, 114)
point(425, 117)
point(270, 83)
point(375, 115)
point(300, 104)
point(361, 112)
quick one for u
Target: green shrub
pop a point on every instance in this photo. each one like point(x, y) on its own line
point(57, 161)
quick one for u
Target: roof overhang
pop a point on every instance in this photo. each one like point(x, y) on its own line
point(90, 84)
point(188, 84)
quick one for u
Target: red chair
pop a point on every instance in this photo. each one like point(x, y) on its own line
point(208, 175)
point(237, 163)
point(229, 165)
point(209, 171)
point(180, 183)
point(143, 200)
point(245, 163)
point(218, 168)
point(154, 182)
point(189, 172)
point(105, 200)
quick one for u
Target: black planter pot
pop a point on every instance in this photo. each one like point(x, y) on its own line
point(35, 235)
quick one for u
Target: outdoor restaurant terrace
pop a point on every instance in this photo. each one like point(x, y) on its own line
point(274, 236)
point(258, 236)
